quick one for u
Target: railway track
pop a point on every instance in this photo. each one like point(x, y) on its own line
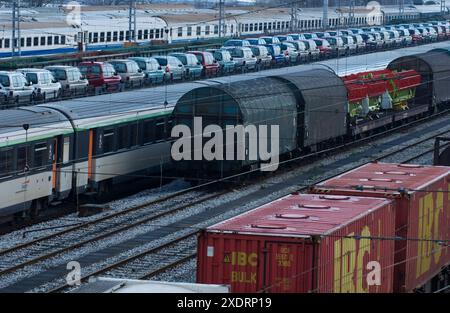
point(180, 231)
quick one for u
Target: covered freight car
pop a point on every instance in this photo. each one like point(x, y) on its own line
point(302, 243)
point(321, 102)
point(434, 68)
point(422, 215)
point(257, 102)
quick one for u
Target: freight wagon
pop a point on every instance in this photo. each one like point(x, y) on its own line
point(422, 205)
point(303, 243)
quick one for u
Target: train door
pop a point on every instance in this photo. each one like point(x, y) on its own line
point(61, 167)
point(287, 267)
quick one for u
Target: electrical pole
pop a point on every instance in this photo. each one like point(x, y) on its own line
point(443, 9)
point(401, 6)
point(325, 15)
point(294, 15)
point(221, 18)
point(132, 21)
point(351, 12)
point(16, 41)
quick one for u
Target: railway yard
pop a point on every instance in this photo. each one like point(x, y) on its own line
point(283, 155)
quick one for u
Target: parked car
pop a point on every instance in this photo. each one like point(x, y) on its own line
point(415, 35)
point(45, 85)
point(192, 67)
point(337, 45)
point(359, 41)
point(290, 52)
point(311, 47)
point(244, 58)
point(153, 72)
point(256, 41)
point(432, 33)
point(301, 49)
point(101, 76)
point(173, 68)
point(282, 38)
point(225, 60)
point(277, 56)
point(371, 42)
point(405, 36)
point(263, 57)
point(349, 44)
point(310, 36)
point(210, 66)
point(271, 40)
point(15, 89)
point(324, 47)
point(386, 37)
point(395, 37)
point(236, 43)
point(297, 36)
point(73, 82)
point(129, 71)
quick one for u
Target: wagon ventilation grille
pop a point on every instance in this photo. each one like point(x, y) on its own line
point(314, 206)
point(268, 226)
point(410, 165)
point(331, 197)
point(292, 216)
point(396, 173)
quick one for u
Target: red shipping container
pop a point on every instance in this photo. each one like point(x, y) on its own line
point(422, 201)
point(303, 243)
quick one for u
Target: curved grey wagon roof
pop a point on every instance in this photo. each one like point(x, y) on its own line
point(43, 123)
point(323, 98)
point(433, 66)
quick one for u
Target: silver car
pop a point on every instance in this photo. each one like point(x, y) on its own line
point(244, 58)
point(132, 75)
point(262, 55)
point(45, 85)
point(72, 81)
point(14, 89)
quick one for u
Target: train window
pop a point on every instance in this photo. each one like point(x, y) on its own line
point(108, 36)
point(90, 38)
point(23, 158)
point(180, 32)
point(66, 150)
point(157, 33)
point(6, 162)
point(127, 35)
point(232, 28)
point(189, 31)
point(4, 80)
point(49, 40)
point(283, 24)
point(22, 42)
point(1, 43)
point(40, 154)
point(199, 30)
point(152, 34)
point(121, 35)
point(56, 40)
point(216, 29)
point(102, 37)
point(245, 27)
point(260, 26)
point(36, 41)
point(207, 30)
point(95, 38)
point(145, 33)
point(7, 42)
point(63, 40)
point(29, 41)
point(115, 36)
point(160, 130)
point(133, 135)
point(140, 34)
point(148, 131)
point(251, 27)
point(123, 137)
point(108, 140)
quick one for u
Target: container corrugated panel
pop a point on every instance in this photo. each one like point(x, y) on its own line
point(302, 243)
point(422, 214)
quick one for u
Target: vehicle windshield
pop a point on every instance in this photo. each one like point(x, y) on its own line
point(4, 80)
point(59, 74)
point(32, 78)
point(231, 43)
point(182, 58)
point(120, 67)
point(142, 64)
point(162, 61)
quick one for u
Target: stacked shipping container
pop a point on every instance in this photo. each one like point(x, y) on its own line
point(374, 229)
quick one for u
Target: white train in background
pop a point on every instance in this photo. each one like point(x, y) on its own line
point(59, 30)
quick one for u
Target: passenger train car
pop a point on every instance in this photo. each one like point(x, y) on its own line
point(50, 31)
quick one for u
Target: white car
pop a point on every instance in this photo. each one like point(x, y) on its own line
point(14, 89)
point(45, 85)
